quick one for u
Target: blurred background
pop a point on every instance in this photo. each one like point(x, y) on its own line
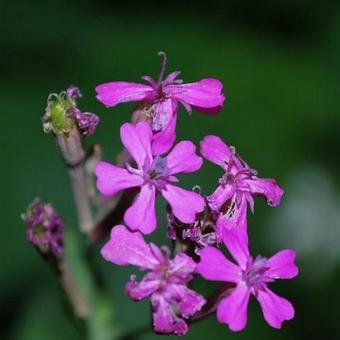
point(279, 62)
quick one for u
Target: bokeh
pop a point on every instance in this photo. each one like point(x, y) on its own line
point(279, 62)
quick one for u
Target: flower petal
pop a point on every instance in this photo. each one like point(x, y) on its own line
point(113, 93)
point(140, 290)
point(137, 140)
point(142, 215)
point(126, 247)
point(282, 266)
point(164, 320)
point(164, 139)
point(182, 266)
point(215, 150)
point(232, 217)
point(189, 302)
point(275, 308)
point(112, 179)
point(233, 309)
point(266, 187)
point(184, 204)
point(215, 266)
point(162, 111)
point(220, 196)
point(204, 94)
point(183, 158)
point(236, 241)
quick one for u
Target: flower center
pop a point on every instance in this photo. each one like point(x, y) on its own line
point(158, 168)
point(255, 275)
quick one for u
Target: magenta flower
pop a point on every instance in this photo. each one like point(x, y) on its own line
point(165, 284)
point(251, 276)
point(153, 175)
point(237, 188)
point(160, 101)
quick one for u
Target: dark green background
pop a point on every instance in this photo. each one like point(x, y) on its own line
point(279, 62)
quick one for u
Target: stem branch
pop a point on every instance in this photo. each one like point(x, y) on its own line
point(72, 150)
point(211, 305)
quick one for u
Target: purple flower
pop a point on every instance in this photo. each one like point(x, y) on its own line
point(251, 276)
point(237, 188)
point(44, 228)
point(153, 175)
point(165, 284)
point(160, 101)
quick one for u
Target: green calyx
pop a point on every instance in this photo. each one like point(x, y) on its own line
point(56, 118)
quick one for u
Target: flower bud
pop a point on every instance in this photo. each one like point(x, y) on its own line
point(44, 228)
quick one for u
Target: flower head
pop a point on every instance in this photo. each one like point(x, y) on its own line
point(237, 187)
point(160, 99)
point(251, 276)
point(153, 175)
point(62, 115)
point(165, 283)
point(44, 228)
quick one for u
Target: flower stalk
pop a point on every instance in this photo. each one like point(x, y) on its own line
point(80, 305)
point(73, 153)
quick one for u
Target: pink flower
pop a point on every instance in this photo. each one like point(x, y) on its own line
point(237, 188)
point(160, 101)
point(251, 276)
point(165, 284)
point(153, 175)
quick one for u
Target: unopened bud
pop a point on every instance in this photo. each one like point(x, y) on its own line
point(44, 228)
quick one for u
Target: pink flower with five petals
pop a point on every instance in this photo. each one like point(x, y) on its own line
point(160, 101)
point(153, 175)
point(251, 276)
point(165, 283)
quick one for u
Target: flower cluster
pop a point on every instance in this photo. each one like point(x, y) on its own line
point(44, 228)
point(197, 223)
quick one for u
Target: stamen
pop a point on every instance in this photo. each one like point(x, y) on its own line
point(228, 208)
point(132, 170)
point(231, 159)
point(230, 212)
point(163, 66)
